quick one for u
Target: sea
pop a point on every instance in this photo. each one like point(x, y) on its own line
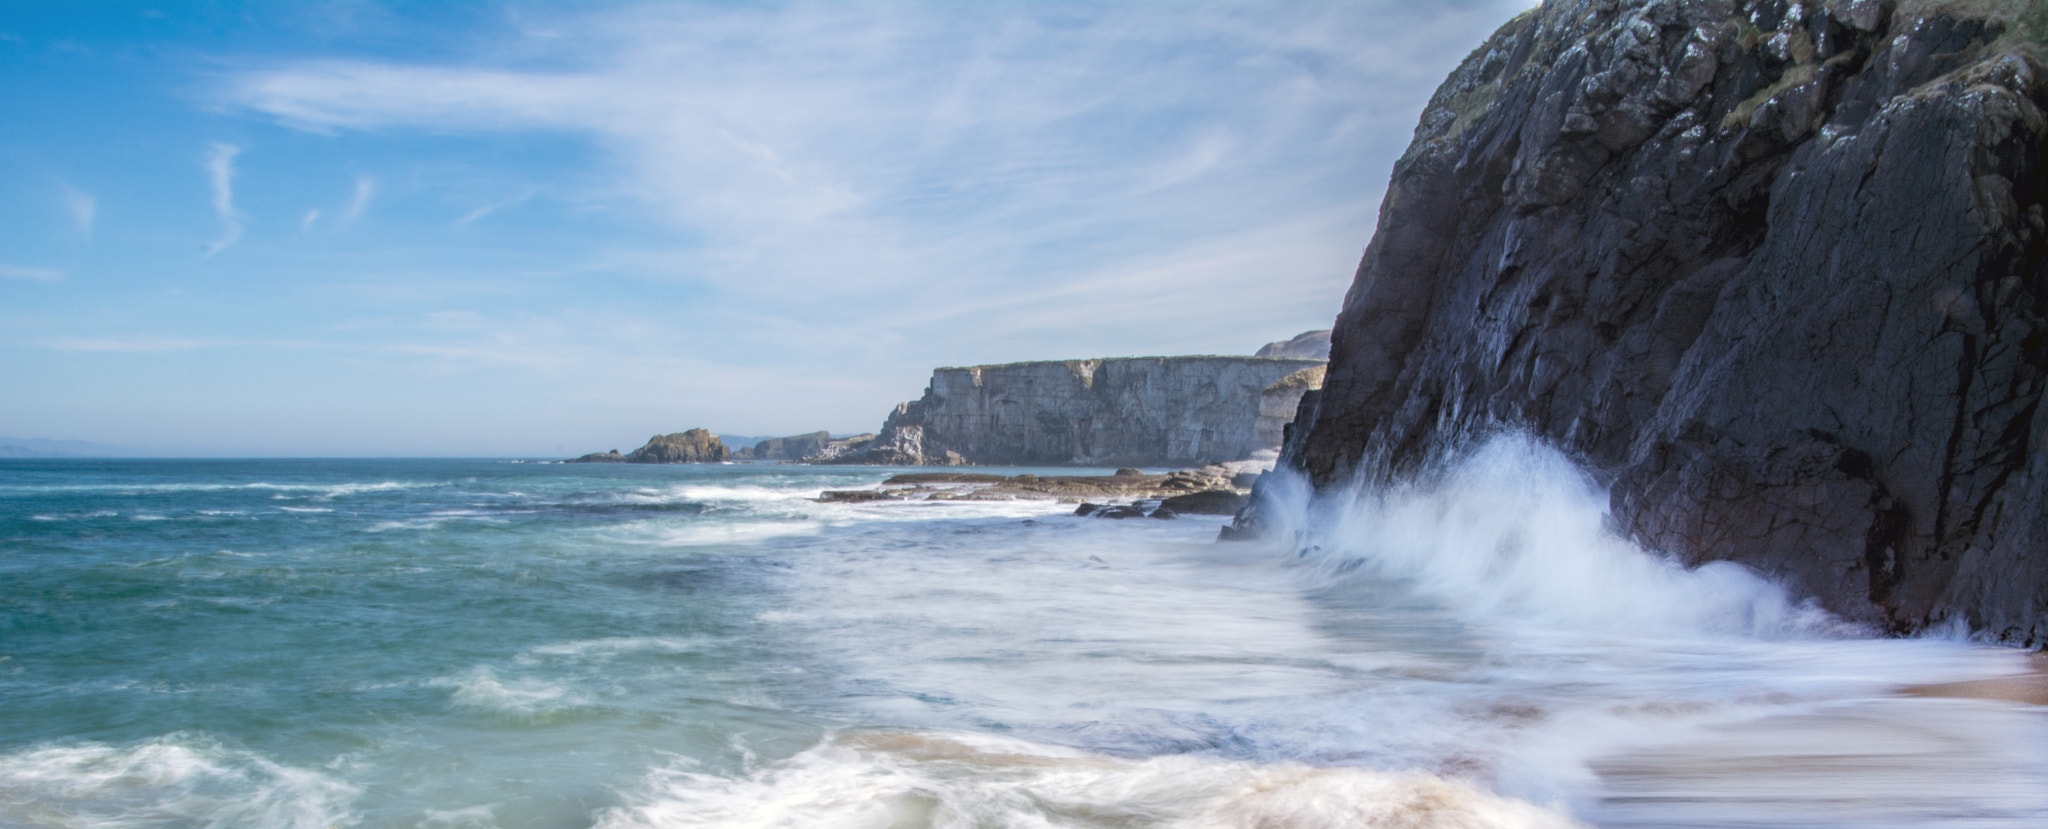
point(306, 644)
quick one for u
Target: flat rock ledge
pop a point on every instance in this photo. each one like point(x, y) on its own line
point(1211, 490)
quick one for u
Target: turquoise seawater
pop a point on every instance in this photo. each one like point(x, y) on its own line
point(451, 643)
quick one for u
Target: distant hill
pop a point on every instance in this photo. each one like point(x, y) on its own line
point(40, 448)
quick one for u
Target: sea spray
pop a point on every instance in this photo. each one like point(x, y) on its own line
point(1512, 534)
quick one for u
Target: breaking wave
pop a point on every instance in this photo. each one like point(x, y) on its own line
point(175, 780)
point(1514, 535)
point(914, 780)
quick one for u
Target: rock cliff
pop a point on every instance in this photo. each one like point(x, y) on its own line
point(816, 446)
point(1142, 411)
point(1774, 269)
point(794, 447)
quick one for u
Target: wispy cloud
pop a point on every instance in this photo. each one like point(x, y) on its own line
point(80, 206)
point(494, 207)
point(131, 344)
point(366, 187)
point(854, 157)
point(220, 175)
point(37, 274)
point(312, 215)
point(124, 344)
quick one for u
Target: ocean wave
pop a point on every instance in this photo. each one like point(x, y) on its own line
point(913, 780)
point(1515, 536)
point(481, 688)
point(618, 645)
point(176, 780)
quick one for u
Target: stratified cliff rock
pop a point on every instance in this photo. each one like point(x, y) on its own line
point(1144, 411)
point(1775, 270)
point(692, 446)
point(794, 447)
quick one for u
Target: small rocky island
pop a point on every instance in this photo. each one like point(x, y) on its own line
point(692, 446)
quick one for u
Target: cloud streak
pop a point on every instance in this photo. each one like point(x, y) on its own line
point(832, 152)
point(220, 177)
point(366, 187)
point(32, 274)
point(81, 207)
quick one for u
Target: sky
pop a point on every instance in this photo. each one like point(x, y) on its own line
point(360, 228)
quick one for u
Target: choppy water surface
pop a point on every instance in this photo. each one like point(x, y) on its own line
point(475, 643)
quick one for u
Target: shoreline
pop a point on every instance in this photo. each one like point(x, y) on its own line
point(2030, 688)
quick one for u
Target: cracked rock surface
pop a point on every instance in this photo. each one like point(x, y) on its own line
point(1774, 270)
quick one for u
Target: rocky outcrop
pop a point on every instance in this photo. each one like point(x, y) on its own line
point(1143, 411)
point(792, 448)
point(1775, 270)
point(1202, 491)
point(693, 446)
point(1308, 345)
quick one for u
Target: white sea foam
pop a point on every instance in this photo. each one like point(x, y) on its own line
point(481, 688)
point(915, 780)
point(709, 494)
point(626, 644)
point(176, 780)
point(1514, 534)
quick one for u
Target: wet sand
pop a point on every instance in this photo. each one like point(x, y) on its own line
point(2030, 688)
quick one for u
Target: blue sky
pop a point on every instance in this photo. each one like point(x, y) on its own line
point(363, 228)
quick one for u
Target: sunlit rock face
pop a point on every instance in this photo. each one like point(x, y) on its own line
point(1141, 411)
point(1773, 270)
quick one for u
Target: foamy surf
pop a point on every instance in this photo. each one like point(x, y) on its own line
point(547, 653)
point(177, 780)
point(929, 780)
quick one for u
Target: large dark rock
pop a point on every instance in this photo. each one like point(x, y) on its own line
point(1775, 270)
point(1208, 502)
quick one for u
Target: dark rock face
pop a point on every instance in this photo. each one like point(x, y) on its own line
point(693, 446)
point(1210, 502)
point(1308, 345)
point(1775, 270)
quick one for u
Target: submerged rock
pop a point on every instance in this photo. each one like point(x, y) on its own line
point(1778, 271)
point(855, 496)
